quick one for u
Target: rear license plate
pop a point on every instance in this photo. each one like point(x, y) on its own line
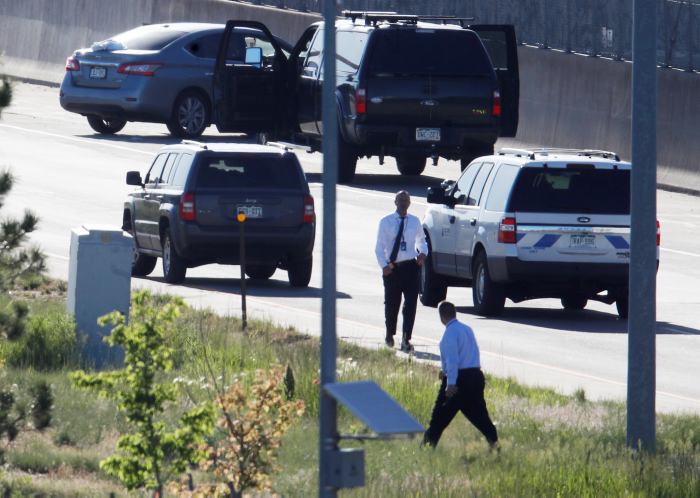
point(98, 73)
point(582, 241)
point(427, 134)
point(250, 211)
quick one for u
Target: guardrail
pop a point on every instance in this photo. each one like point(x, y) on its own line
point(598, 28)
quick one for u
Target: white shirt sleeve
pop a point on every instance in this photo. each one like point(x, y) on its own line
point(380, 248)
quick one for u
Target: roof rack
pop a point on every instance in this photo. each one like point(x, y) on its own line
point(288, 146)
point(373, 17)
point(201, 145)
point(545, 151)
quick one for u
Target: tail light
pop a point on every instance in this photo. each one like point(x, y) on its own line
point(309, 212)
point(658, 233)
point(360, 101)
point(507, 231)
point(496, 110)
point(186, 209)
point(139, 68)
point(72, 64)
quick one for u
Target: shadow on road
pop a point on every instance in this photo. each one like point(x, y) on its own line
point(256, 288)
point(164, 139)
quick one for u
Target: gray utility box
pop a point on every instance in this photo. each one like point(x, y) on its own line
point(99, 282)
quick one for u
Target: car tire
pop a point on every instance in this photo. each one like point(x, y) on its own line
point(409, 165)
point(299, 272)
point(190, 115)
point(347, 161)
point(574, 302)
point(142, 264)
point(106, 126)
point(623, 304)
point(432, 289)
point(260, 272)
point(174, 267)
point(489, 297)
point(471, 154)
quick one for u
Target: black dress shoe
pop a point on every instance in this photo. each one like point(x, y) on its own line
point(389, 341)
point(406, 346)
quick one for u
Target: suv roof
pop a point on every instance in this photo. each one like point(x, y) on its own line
point(195, 146)
point(523, 156)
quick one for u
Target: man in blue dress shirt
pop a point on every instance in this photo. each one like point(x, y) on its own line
point(462, 387)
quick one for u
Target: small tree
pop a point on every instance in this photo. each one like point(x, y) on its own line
point(150, 454)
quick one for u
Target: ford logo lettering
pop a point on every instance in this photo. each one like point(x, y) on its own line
point(583, 219)
point(429, 103)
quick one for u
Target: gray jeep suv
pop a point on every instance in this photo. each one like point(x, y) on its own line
point(185, 211)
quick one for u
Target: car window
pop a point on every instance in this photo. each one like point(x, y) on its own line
point(577, 189)
point(147, 38)
point(182, 169)
point(464, 184)
point(350, 47)
point(312, 65)
point(205, 47)
point(156, 168)
point(501, 187)
point(167, 170)
point(497, 47)
point(249, 171)
point(475, 192)
point(439, 52)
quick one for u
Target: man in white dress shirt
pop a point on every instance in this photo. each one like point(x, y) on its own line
point(401, 250)
point(462, 387)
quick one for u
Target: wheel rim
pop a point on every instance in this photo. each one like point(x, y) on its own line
point(166, 255)
point(191, 114)
point(480, 283)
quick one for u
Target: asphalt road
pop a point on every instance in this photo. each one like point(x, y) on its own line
point(71, 177)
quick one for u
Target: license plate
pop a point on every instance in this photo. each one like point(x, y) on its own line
point(428, 134)
point(250, 211)
point(582, 241)
point(98, 73)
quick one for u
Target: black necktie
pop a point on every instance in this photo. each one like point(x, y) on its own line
point(397, 242)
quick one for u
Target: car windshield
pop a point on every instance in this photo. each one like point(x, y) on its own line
point(575, 190)
point(249, 171)
point(442, 52)
point(147, 38)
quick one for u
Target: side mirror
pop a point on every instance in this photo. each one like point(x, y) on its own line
point(254, 56)
point(134, 178)
point(436, 195)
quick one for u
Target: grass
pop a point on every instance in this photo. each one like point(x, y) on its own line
point(552, 445)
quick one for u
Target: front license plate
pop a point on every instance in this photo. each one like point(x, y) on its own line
point(250, 211)
point(582, 242)
point(427, 134)
point(98, 73)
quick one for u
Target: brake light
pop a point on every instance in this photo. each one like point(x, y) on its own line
point(72, 64)
point(496, 110)
point(507, 231)
point(360, 101)
point(186, 209)
point(658, 233)
point(309, 212)
point(139, 68)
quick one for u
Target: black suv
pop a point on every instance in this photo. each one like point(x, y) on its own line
point(185, 211)
point(407, 87)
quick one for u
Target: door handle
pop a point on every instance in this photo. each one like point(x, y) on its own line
point(147, 196)
point(452, 219)
point(160, 197)
point(472, 222)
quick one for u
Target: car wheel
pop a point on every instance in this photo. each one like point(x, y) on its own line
point(471, 154)
point(174, 267)
point(190, 116)
point(347, 161)
point(142, 264)
point(432, 289)
point(106, 126)
point(489, 297)
point(260, 272)
point(623, 304)
point(410, 165)
point(574, 302)
point(299, 272)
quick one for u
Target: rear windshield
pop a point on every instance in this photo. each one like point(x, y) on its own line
point(147, 38)
point(596, 191)
point(250, 171)
point(419, 51)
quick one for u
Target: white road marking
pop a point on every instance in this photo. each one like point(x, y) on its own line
point(683, 253)
point(57, 256)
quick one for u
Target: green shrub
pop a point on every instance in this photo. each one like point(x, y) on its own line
point(49, 343)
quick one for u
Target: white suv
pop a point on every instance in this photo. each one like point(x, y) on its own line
point(527, 224)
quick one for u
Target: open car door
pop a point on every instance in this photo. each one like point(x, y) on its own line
point(249, 79)
point(500, 43)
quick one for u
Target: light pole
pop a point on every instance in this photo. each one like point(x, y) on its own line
point(241, 237)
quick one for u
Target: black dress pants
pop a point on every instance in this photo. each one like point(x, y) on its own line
point(469, 400)
point(402, 280)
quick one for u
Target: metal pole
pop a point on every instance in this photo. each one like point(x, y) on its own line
point(328, 437)
point(641, 373)
point(241, 238)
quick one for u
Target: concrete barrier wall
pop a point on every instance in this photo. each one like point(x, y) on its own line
point(566, 100)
